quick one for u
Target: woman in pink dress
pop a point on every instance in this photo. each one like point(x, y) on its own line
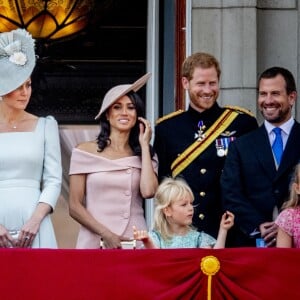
point(110, 177)
point(288, 220)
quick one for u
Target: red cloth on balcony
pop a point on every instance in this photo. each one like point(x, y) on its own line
point(245, 273)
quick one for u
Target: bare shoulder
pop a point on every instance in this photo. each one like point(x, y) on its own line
point(28, 123)
point(30, 118)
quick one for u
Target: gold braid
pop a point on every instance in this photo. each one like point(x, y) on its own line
point(240, 109)
point(168, 116)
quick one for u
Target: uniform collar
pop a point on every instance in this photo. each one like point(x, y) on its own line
point(209, 114)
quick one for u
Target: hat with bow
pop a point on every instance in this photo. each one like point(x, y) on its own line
point(17, 59)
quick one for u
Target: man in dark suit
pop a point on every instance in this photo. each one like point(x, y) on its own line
point(193, 144)
point(255, 182)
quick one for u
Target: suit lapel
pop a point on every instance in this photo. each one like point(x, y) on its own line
point(264, 153)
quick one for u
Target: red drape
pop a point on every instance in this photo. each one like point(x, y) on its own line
point(244, 274)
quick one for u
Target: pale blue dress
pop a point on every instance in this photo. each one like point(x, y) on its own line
point(193, 239)
point(30, 172)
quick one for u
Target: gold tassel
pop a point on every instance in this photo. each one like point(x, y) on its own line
point(210, 266)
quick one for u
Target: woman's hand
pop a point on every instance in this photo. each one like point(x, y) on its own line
point(28, 233)
point(32, 226)
point(112, 240)
point(145, 132)
point(148, 182)
point(6, 240)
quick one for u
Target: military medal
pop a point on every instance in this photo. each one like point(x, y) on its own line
point(200, 135)
point(222, 145)
point(221, 152)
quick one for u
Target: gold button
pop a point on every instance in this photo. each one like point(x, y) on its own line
point(203, 171)
point(202, 194)
point(201, 216)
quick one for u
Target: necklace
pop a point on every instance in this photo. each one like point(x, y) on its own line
point(11, 120)
point(14, 125)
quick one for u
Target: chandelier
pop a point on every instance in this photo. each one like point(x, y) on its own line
point(45, 19)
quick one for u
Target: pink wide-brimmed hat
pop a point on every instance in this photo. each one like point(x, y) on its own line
point(120, 90)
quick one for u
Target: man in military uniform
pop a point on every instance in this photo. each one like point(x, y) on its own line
point(194, 143)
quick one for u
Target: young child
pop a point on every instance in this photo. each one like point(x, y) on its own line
point(288, 220)
point(173, 218)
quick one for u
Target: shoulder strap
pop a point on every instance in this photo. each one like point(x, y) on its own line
point(240, 109)
point(195, 149)
point(169, 116)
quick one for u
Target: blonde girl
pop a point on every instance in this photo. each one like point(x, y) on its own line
point(173, 218)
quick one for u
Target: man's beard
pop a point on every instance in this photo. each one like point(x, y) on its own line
point(277, 119)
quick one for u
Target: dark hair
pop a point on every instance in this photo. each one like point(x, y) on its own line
point(286, 74)
point(103, 138)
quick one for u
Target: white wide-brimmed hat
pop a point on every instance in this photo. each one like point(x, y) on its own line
point(17, 59)
point(120, 90)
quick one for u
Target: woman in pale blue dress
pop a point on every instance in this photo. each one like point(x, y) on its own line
point(30, 159)
point(173, 218)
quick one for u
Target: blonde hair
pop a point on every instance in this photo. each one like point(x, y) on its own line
point(294, 196)
point(169, 191)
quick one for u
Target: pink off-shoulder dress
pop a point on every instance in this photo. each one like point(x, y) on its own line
point(112, 194)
